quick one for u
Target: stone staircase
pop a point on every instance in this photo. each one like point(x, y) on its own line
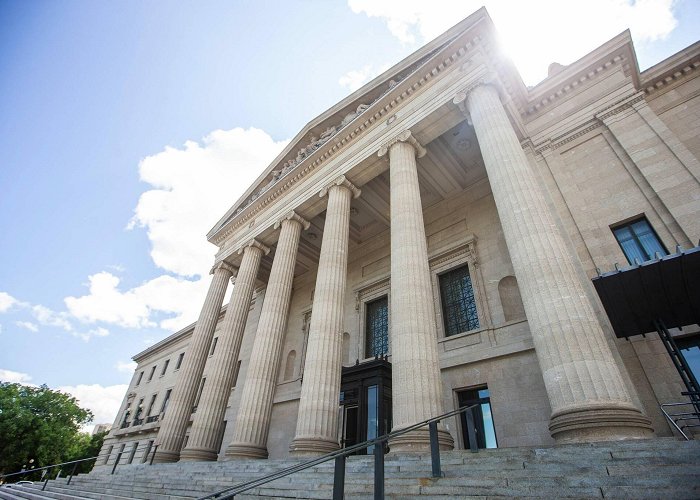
point(656, 468)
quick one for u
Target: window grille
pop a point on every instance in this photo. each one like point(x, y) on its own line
point(458, 304)
point(377, 327)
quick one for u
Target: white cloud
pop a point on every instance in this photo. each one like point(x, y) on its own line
point(193, 188)
point(95, 332)
point(27, 325)
point(47, 317)
point(7, 301)
point(103, 401)
point(126, 366)
point(15, 377)
point(533, 33)
point(354, 79)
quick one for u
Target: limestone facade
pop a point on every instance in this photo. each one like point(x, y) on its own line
point(446, 161)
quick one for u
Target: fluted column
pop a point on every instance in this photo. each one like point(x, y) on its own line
point(416, 383)
point(317, 423)
point(588, 397)
point(174, 425)
point(206, 427)
point(253, 420)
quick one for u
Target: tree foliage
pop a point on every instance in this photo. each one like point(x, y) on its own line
point(41, 425)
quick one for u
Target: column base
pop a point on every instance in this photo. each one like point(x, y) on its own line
point(198, 455)
point(166, 457)
point(418, 441)
point(239, 450)
point(309, 447)
point(599, 422)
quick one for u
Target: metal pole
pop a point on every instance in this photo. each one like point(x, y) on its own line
point(379, 471)
point(339, 478)
point(75, 465)
point(471, 432)
point(116, 461)
point(434, 449)
point(46, 474)
point(154, 454)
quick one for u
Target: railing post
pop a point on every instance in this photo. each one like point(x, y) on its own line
point(46, 475)
point(379, 471)
point(339, 478)
point(154, 454)
point(75, 465)
point(116, 462)
point(471, 432)
point(435, 449)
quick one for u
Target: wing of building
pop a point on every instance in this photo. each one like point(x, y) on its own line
point(429, 243)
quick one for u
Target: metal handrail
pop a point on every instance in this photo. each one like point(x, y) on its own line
point(48, 467)
point(674, 418)
point(340, 455)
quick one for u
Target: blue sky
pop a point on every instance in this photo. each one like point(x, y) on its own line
point(128, 128)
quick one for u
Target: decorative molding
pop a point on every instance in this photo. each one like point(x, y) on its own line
point(659, 83)
point(341, 181)
point(403, 136)
point(416, 78)
point(467, 248)
point(367, 290)
point(254, 244)
point(620, 106)
point(225, 266)
point(292, 215)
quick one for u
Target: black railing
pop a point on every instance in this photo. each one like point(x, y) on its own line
point(687, 418)
point(152, 418)
point(340, 455)
point(46, 474)
point(137, 421)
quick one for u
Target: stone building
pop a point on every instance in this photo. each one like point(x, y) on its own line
point(429, 242)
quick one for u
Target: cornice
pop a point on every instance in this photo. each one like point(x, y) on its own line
point(671, 70)
point(341, 181)
point(380, 109)
point(403, 136)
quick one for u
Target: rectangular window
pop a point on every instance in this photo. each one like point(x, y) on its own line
point(164, 406)
point(138, 380)
point(133, 452)
point(377, 327)
point(165, 367)
point(179, 360)
point(199, 394)
point(149, 446)
point(139, 411)
point(639, 241)
point(235, 375)
point(458, 304)
point(213, 346)
point(150, 405)
point(150, 375)
point(484, 429)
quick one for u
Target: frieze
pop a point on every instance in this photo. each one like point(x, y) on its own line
point(285, 179)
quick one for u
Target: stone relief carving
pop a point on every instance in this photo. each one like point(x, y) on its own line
point(313, 145)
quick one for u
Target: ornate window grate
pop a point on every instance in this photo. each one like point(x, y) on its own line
point(377, 327)
point(458, 304)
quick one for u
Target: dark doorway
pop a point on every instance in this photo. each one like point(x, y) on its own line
point(483, 418)
point(365, 401)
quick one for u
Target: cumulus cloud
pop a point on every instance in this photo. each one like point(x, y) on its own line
point(126, 366)
point(103, 401)
point(355, 79)
point(193, 188)
point(15, 377)
point(27, 325)
point(533, 33)
point(47, 317)
point(7, 301)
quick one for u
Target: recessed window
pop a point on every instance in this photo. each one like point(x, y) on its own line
point(199, 394)
point(457, 299)
point(165, 367)
point(179, 360)
point(150, 405)
point(213, 346)
point(638, 240)
point(150, 375)
point(377, 327)
point(166, 400)
point(138, 381)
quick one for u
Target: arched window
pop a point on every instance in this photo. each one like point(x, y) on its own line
point(289, 365)
point(511, 301)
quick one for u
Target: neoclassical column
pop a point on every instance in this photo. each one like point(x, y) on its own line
point(208, 421)
point(174, 425)
point(416, 382)
point(588, 397)
point(317, 423)
point(253, 420)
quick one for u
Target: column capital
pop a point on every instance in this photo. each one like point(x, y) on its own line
point(461, 98)
point(223, 265)
point(253, 243)
point(341, 181)
point(292, 215)
point(403, 136)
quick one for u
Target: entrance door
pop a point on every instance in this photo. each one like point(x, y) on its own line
point(365, 400)
point(483, 418)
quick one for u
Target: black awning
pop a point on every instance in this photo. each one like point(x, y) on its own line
point(667, 289)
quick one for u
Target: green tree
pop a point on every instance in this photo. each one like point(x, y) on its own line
point(39, 424)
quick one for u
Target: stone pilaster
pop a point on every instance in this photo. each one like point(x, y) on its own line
point(317, 423)
point(174, 426)
point(253, 420)
point(416, 382)
point(208, 421)
point(588, 397)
